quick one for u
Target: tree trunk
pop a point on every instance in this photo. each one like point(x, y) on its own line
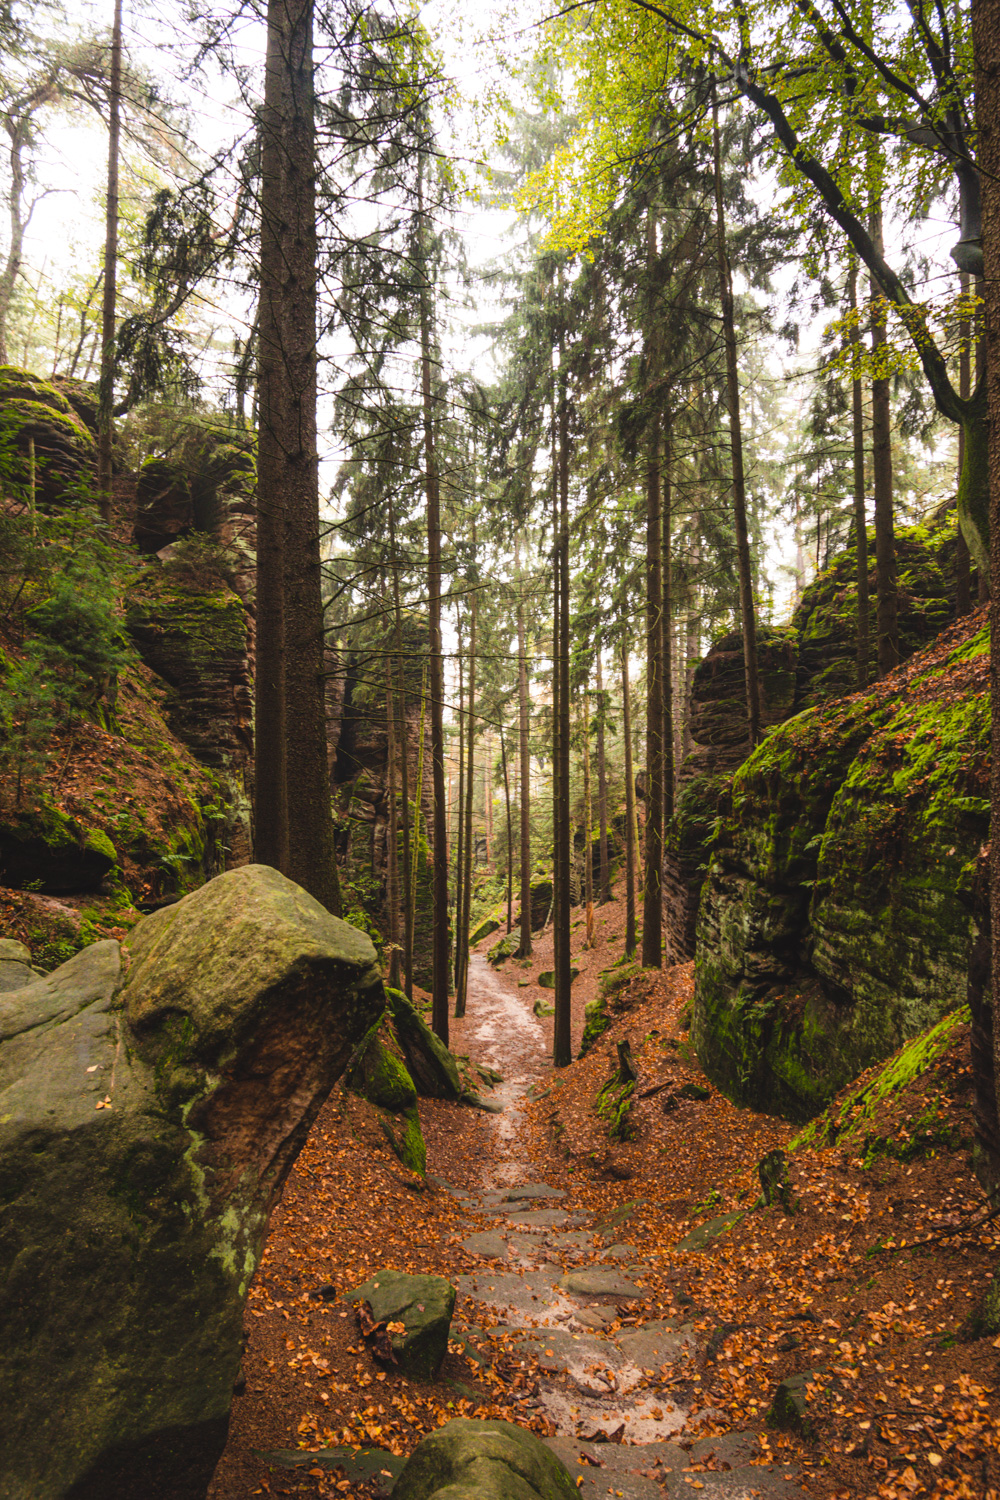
point(510, 832)
point(459, 830)
point(462, 942)
point(743, 560)
point(667, 647)
point(588, 848)
point(963, 585)
point(860, 518)
point(392, 830)
point(292, 420)
point(439, 988)
point(524, 749)
point(986, 38)
point(562, 1046)
point(270, 739)
point(629, 810)
point(602, 787)
point(15, 252)
point(652, 893)
point(886, 606)
point(106, 386)
point(404, 763)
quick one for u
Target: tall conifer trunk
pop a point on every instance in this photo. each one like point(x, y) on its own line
point(462, 939)
point(588, 844)
point(886, 608)
point(106, 386)
point(392, 829)
point(963, 588)
point(629, 808)
point(524, 749)
point(294, 790)
point(652, 894)
point(562, 1047)
point(459, 828)
point(667, 646)
point(404, 762)
point(602, 788)
point(439, 937)
point(860, 519)
point(744, 564)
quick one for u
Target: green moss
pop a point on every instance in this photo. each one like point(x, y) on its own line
point(834, 920)
point(614, 1105)
point(101, 844)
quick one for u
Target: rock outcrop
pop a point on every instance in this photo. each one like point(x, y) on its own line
point(48, 452)
point(810, 661)
point(408, 1318)
point(146, 1129)
point(191, 627)
point(835, 918)
point(470, 1460)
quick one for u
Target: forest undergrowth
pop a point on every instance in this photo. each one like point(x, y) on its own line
point(870, 1282)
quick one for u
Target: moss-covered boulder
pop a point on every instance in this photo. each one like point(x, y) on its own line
point(474, 1460)
point(505, 948)
point(145, 1133)
point(431, 1066)
point(42, 441)
point(380, 1076)
point(835, 920)
point(416, 1313)
point(47, 850)
point(486, 928)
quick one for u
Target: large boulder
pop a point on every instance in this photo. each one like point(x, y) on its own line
point(379, 1075)
point(410, 1317)
point(470, 1460)
point(146, 1130)
point(431, 1065)
point(835, 918)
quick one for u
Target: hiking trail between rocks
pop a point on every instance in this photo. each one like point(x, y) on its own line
point(570, 1291)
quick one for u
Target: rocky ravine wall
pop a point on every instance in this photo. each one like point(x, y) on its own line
point(834, 921)
point(807, 662)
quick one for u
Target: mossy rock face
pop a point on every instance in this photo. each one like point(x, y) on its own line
point(718, 692)
point(470, 1460)
point(547, 979)
point(43, 849)
point(486, 928)
point(900, 1109)
point(164, 507)
point(506, 948)
point(834, 921)
point(431, 1066)
point(406, 1139)
point(146, 1131)
point(380, 1076)
point(34, 411)
point(825, 620)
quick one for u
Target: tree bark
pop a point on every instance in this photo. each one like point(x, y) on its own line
point(602, 787)
point(459, 828)
point(439, 987)
point(886, 606)
point(986, 42)
point(392, 822)
point(106, 385)
point(860, 518)
point(667, 650)
point(510, 832)
point(630, 938)
point(963, 583)
point(462, 942)
point(562, 1046)
point(404, 763)
point(743, 560)
point(524, 748)
point(588, 847)
point(652, 893)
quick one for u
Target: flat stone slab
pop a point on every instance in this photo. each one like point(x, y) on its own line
point(607, 1467)
point(533, 1296)
point(619, 1252)
point(592, 1317)
point(703, 1236)
point(545, 1218)
point(532, 1190)
point(486, 1243)
point(599, 1281)
point(651, 1349)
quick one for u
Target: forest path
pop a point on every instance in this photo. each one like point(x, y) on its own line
point(569, 1290)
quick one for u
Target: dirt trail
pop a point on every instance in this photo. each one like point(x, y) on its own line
point(570, 1293)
